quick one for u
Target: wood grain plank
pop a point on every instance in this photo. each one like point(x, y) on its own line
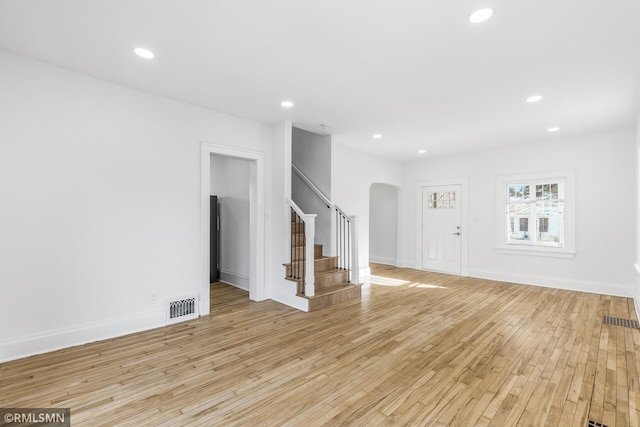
point(418, 348)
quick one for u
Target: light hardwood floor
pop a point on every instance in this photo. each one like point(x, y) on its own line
point(418, 349)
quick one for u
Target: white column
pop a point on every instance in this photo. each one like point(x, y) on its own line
point(309, 234)
point(334, 225)
point(355, 261)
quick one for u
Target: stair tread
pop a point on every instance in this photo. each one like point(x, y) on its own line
point(330, 290)
point(303, 245)
point(323, 257)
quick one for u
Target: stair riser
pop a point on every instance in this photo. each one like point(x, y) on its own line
point(326, 281)
point(320, 265)
point(316, 303)
point(325, 264)
point(322, 283)
point(289, 271)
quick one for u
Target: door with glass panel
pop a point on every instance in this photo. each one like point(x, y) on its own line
point(441, 220)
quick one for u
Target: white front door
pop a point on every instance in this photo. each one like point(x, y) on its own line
point(441, 221)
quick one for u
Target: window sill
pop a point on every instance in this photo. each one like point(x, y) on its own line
point(536, 251)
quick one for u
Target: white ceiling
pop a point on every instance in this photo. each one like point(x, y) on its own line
point(415, 71)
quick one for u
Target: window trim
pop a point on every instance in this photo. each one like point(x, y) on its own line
point(569, 248)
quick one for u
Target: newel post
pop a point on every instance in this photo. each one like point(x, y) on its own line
point(334, 226)
point(309, 235)
point(355, 260)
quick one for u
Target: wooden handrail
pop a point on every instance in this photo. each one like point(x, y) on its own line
point(343, 231)
point(311, 185)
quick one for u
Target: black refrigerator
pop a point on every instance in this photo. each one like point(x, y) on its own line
point(214, 232)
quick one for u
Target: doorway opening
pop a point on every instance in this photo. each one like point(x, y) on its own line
point(253, 163)
point(229, 211)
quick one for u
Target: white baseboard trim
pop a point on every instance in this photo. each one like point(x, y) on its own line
point(294, 301)
point(636, 297)
point(554, 282)
point(402, 263)
point(238, 280)
point(365, 272)
point(63, 338)
point(382, 260)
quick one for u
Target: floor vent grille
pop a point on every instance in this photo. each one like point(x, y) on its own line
point(627, 323)
point(595, 424)
point(182, 308)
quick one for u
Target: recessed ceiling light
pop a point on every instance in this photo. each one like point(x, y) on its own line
point(143, 53)
point(324, 127)
point(377, 136)
point(534, 98)
point(553, 129)
point(286, 104)
point(422, 151)
point(480, 15)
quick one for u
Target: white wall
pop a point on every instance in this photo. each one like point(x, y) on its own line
point(311, 153)
point(100, 204)
point(353, 172)
point(383, 224)
point(637, 263)
point(310, 203)
point(605, 211)
point(230, 182)
point(279, 219)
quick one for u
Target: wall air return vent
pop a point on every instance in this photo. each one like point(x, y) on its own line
point(182, 308)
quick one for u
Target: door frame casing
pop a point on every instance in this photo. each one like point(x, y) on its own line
point(257, 290)
point(463, 182)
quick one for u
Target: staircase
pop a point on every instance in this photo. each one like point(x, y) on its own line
point(331, 283)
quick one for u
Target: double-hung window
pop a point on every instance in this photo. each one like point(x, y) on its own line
point(536, 213)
